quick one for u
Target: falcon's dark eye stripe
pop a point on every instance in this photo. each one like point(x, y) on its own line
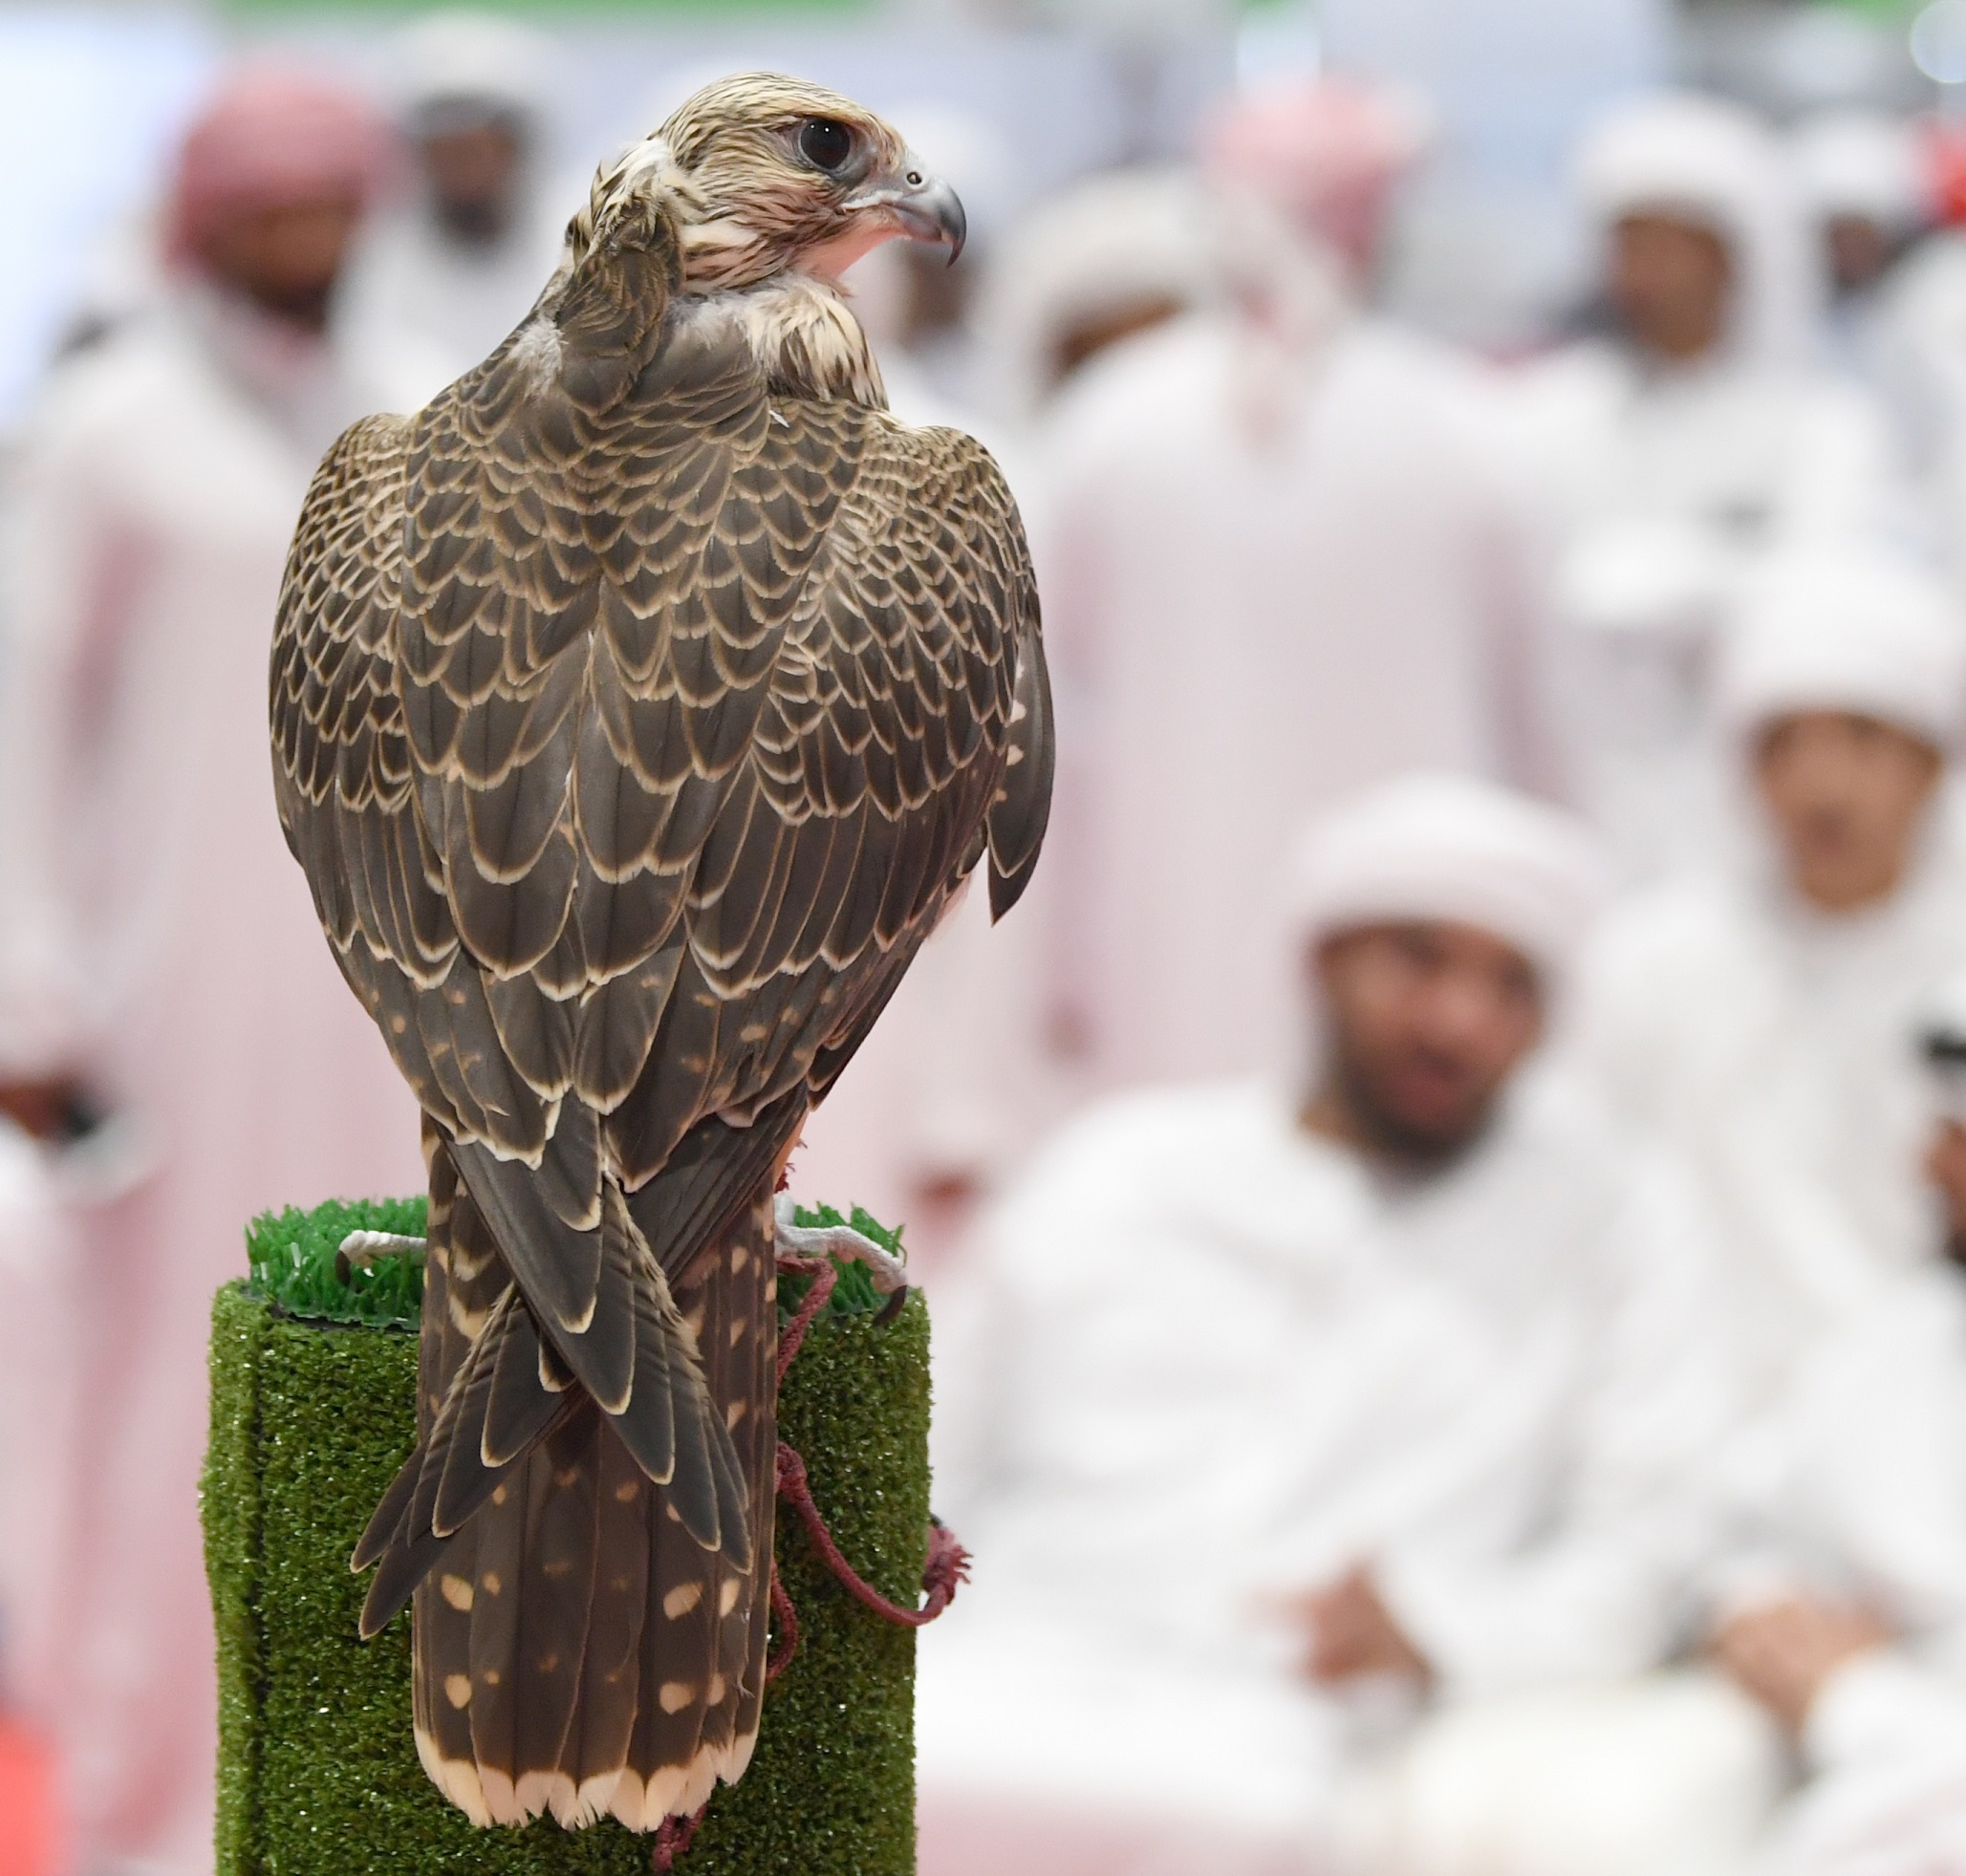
point(825, 144)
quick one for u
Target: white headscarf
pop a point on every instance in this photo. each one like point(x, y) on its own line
point(1865, 163)
point(1457, 850)
point(472, 58)
point(1109, 243)
point(1844, 629)
point(1329, 152)
point(1712, 164)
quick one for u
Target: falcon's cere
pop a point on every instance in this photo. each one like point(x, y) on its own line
point(639, 706)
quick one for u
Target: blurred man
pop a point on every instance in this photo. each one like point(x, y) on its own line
point(1277, 1409)
point(1280, 560)
point(1692, 435)
point(988, 1037)
point(1918, 319)
point(1100, 263)
point(917, 310)
point(1760, 1015)
point(1326, 488)
point(1865, 179)
point(1865, 186)
point(449, 271)
point(157, 490)
point(1843, 1611)
point(1848, 1620)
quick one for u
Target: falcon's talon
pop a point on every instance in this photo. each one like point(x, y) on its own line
point(841, 1240)
point(364, 1248)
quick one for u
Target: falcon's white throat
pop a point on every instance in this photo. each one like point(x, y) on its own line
point(806, 339)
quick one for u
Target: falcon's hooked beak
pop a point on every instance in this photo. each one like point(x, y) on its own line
point(919, 204)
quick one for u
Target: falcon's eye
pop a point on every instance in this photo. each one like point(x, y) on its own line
point(825, 144)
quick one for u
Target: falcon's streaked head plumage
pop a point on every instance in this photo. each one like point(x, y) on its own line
point(777, 176)
point(771, 188)
point(639, 706)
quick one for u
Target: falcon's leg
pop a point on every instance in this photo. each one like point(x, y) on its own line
point(841, 1240)
point(364, 1248)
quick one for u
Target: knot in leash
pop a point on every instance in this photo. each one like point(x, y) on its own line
point(947, 1565)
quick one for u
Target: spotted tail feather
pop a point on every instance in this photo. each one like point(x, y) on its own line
point(578, 1649)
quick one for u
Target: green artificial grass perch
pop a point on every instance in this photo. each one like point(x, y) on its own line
point(292, 1258)
point(318, 1768)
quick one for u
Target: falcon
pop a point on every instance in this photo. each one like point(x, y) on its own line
point(637, 708)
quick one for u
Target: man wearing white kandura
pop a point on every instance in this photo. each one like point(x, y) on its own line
point(1765, 1016)
point(1760, 1012)
point(1843, 1612)
point(1839, 1604)
point(1865, 183)
point(1291, 489)
point(451, 269)
point(152, 503)
point(1694, 432)
point(1279, 1414)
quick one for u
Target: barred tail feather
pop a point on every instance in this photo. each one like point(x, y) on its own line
point(450, 1469)
point(490, 1615)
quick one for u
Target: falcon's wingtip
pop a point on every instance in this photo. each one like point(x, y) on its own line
point(1008, 888)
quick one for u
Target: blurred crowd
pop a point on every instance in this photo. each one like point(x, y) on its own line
point(1445, 1209)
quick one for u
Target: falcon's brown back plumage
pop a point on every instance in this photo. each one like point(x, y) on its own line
point(637, 707)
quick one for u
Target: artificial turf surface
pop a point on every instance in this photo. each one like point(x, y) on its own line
point(317, 1769)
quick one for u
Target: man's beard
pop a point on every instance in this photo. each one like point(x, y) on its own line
point(474, 221)
point(304, 304)
point(1389, 1133)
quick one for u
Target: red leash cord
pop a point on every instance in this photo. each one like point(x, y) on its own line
point(948, 1562)
point(947, 1565)
point(824, 1278)
point(672, 1840)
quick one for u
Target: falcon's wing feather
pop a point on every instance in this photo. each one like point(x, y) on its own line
point(812, 680)
point(880, 740)
point(963, 541)
point(342, 775)
point(635, 733)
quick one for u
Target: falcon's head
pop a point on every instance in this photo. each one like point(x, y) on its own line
point(768, 175)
